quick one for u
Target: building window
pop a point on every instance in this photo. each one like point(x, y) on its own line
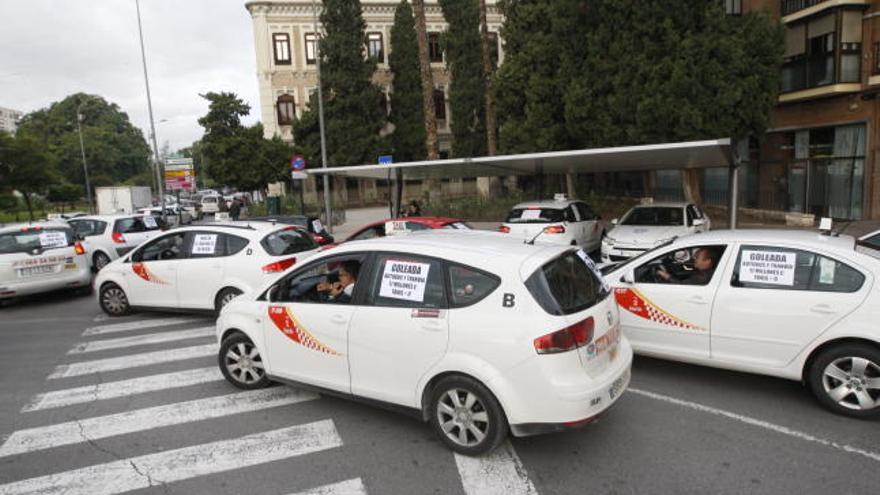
point(439, 104)
point(435, 49)
point(281, 44)
point(286, 109)
point(375, 49)
point(311, 44)
point(733, 7)
point(823, 50)
point(493, 47)
point(876, 69)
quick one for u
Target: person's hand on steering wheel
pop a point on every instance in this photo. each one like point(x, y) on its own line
point(661, 275)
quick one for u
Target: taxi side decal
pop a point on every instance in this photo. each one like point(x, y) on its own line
point(636, 303)
point(143, 272)
point(284, 320)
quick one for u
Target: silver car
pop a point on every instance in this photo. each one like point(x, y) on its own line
point(41, 257)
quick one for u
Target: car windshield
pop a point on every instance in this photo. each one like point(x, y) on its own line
point(29, 240)
point(209, 199)
point(288, 241)
point(655, 215)
point(629, 261)
point(536, 215)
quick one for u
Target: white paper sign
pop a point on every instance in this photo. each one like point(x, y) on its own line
point(53, 239)
point(395, 227)
point(150, 222)
point(530, 215)
point(316, 226)
point(767, 267)
point(404, 280)
point(827, 268)
point(204, 244)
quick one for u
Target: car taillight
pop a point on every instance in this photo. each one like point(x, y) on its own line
point(554, 229)
point(567, 339)
point(504, 229)
point(118, 238)
point(78, 248)
point(318, 238)
point(279, 266)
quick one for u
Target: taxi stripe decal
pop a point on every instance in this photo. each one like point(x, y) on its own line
point(284, 320)
point(143, 272)
point(636, 303)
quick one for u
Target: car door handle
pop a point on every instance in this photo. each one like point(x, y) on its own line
point(338, 319)
point(697, 300)
point(823, 309)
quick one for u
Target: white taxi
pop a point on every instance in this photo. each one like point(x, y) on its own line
point(41, 257)
point(108, 237)
point(559, 221)
point(474, 332)
point(791, 304)
point(201, 268)
point(646, 226)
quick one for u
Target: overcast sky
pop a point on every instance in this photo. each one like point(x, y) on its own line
point(52, 48)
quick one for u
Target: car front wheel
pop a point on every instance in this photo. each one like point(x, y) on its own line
point(466, 416)
point(241, 363)
point(113, 300)
point(846, 380)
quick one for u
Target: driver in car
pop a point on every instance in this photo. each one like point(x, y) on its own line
point(341, 290)
point(705, 260)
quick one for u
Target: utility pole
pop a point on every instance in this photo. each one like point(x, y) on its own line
point(82, 149)
point(150, 108)
point(326, 178)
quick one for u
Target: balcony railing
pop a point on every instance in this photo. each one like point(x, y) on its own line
point(792, 6)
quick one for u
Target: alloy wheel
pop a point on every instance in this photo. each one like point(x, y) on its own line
point(114, 300)
point(244, 363)
point(853, 382)
point(463, 417)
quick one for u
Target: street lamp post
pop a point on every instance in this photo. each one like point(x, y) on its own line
point(82, 150)
point(150, 108)
point(321, 117)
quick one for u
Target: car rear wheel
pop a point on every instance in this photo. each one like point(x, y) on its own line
point(241, 363)
point(100, 261)
point(225, 297)
point(846, 380)
point(466, 416)
point(113, 300)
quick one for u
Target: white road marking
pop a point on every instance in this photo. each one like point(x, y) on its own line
point(348, 487)
point(499, 473)
point(136, 325)
point(101, 317)
point(186, 463)
point(123, 388)
point(24, 441)
point(133, 361)
point(151, 338)
point(875, 456)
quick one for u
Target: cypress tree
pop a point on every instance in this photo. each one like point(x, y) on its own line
point(407, 114)
point(353, 106)
point(467, 89)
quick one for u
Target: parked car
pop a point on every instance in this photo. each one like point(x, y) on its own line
point(41, 257)
point(792, 304)
point(645, 226)
point(108, 237)
point(560, 221)
point(410, 224)
point(201, 267)
point(473, 332)
point(312, 224)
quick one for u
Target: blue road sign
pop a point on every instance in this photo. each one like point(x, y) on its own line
point(385, 160)
point(297, 163)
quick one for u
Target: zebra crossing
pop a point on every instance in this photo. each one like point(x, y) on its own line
point(185, 339)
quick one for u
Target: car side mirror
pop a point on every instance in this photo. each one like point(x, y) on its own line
point(628, 278)
point(614, 222)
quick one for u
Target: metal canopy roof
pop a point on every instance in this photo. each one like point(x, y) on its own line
point(692, 154)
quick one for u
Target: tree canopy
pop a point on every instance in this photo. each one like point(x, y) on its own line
point(25, 166)
point(407, 113)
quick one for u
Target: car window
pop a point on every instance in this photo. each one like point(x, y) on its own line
point(370, 233)
point(767, 267)
point(693, 265)
point(36, 239)
point(288, 241)
point(131, 224)
point(234, 244)
point(88, 228)
point(168, 247)
point(654, 215)
point(205, 244)
point(469, 285)
point(457, 226)
point(414, 226)
point(585, 211)
point(405, 281)
point(329, 281)
point(690, 215)
point(873, 241)
point(566, 285)
point(536, 215)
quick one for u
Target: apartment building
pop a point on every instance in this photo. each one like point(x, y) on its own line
point(9, 119)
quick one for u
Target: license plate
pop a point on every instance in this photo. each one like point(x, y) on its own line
point(36, 270)
point(617, 386)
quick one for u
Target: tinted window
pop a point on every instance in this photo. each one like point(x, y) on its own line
point(88, 228)
point(536, 215)
point(369, 233)
point(585, 211)
point(405, 281)
point(469, 285)
point(288, 241)
point(565, 285)
point(169, 247)
point(873, 241)
point(329, 281)
point(234, 244)
point(416, 226)
point(654, 215)
point(694, 265)
point(457, 226)
point(35, 240)
point(764, 267)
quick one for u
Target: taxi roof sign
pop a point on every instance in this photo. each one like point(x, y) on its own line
point(395, 227)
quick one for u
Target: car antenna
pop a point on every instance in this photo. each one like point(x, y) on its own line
point(531, 241)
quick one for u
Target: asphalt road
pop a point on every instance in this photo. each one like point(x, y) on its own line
point(73, 420)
